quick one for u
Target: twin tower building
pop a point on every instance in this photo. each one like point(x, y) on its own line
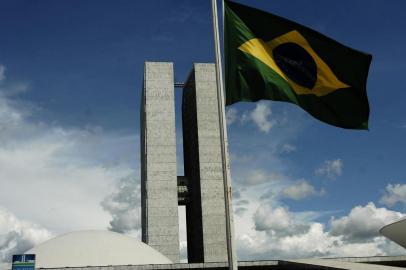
point(201, 188)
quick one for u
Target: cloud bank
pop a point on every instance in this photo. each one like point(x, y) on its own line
point(279, 233)
point(17, 236)
point(63, 174)
point(88, 178)
point(124, 205)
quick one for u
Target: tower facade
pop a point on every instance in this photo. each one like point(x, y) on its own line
point(205, 212)
point(201, 189)
point(159, 190)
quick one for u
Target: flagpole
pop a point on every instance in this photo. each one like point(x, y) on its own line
point(231, 250)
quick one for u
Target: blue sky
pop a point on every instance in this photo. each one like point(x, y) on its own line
point(70, 85)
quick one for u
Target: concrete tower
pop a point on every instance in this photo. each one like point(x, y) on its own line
point(205, 211)
point(201, 189)
point(159, 189)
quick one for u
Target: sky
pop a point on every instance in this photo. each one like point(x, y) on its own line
point(70, 87)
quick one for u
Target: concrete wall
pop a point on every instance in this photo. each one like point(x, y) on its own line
point(160, 227)
point(192, 172)
point(203, 167)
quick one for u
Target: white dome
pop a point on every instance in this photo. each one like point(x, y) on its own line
point(396, 232)
point(94, 248)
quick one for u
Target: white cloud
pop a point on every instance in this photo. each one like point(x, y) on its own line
point(9, 119)
point(85, 178)
point(363, 222)
point(239, 205)
point(183, 251)
point(279, 221)
point(13, 89)
point(313, 242)
point(299, 190)
point(245, 117)
point(2, 72)
point(55, 166)
point(259, 176)
point(62, 174)
point(182, 234)
point(124, 207)
point(330, 168)
point(274, 220)
point(287, 148)
point(232, 116)
point(260, 115)
point(394, 193)
point(10, 88)
point(277, 233)
point(17, 236)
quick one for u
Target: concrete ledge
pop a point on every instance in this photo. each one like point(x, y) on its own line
point(345, 263)
point(370, 259)
point(212, 265)
point(337, 264)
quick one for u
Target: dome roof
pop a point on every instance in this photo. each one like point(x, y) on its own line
point(396, 232)
point(94, 248)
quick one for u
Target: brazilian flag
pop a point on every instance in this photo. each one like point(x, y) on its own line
point(269, 57)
